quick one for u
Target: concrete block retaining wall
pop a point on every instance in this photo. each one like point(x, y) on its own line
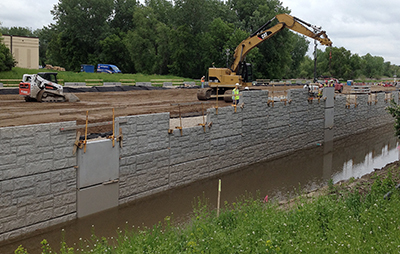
point(364, 116)
point(38, 178)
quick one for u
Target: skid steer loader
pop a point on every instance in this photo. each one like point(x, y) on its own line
point(43, 87)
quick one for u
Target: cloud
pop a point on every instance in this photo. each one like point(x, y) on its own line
point(26, 13)
point(367, 26)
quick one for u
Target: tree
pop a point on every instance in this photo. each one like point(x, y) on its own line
point(148, 44)
point(123, 15)
point(218, 35)
point(306, 68)
point(183, 53)
point(394, 110)
point(273, 58)
point(355, 65)
point(17, 31)
point(162, 10)
point(340, 63)
point(300, 47)
point(6, 59)
point(372, 66)
point(114, 50)
point(80, 26)
point(192, 14)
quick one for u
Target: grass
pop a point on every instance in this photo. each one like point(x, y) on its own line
point(68, 76)
point(341, 221)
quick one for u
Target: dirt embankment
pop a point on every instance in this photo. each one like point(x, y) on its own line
point(15, 111)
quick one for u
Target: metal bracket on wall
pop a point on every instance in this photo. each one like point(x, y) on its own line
point(77, 143)
point(120, 137)
point(204, 120)
point(351, 99)
point(388, 97)
point(311, 99)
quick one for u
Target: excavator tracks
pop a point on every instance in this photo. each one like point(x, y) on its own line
point(204, 94)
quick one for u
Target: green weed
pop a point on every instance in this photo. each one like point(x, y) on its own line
point(69, 76)
point(353, 221)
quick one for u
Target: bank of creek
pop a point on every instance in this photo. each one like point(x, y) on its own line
point(280, 179)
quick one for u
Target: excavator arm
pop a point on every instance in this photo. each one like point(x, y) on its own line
point(263, 34)
point(223, 80)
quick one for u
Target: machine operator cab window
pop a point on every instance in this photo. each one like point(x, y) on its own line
point(50, 76)
point(246, 71)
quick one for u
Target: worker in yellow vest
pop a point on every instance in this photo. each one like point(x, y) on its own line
point(235, 94)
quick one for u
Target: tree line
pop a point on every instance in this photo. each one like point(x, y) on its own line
point(185, 38)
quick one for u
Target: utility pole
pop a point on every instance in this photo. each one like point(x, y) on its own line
point(315, 61)
point(227, 57)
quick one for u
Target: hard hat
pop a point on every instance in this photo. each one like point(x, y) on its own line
point(237, 84)
point(246, 88)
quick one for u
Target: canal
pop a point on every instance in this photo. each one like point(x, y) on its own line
point(279, 178)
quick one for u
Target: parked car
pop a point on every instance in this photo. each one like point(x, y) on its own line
point(108, 68)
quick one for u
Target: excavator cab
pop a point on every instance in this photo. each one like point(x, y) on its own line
point(246, 71)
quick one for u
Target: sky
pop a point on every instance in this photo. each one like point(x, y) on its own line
point(361, 26)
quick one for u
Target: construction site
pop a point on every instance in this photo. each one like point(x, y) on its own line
point(69, 152)
point(52, 172)
point(100, 105)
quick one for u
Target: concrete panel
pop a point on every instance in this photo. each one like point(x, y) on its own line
point(143, 84)
point(328, 135)
point(74, 84)
point(329, 93)
point(96, 199)
point(112, 84)
point(99, 164)
point(329, 114)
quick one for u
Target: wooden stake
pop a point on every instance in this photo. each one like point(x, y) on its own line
point(180, 119)
point(219, 197)
point(216, 107)
point(87, 116)
point(113, 135)
point(204, 121)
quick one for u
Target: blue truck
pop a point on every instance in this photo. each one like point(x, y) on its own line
point(108, 68)
point(87, 68)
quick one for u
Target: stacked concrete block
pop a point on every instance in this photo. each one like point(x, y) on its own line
point(254, 126)
point(189, 155)
point(305, 120)
point(361, 117)
point(144, 163)
point(37, 177)
point(225, 139)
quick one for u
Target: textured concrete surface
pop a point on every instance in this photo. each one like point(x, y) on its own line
point(38, 180)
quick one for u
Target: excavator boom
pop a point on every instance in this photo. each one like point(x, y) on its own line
point(222, 80)
point(262, 34)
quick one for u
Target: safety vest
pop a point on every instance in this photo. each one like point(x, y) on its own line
point(235, 92)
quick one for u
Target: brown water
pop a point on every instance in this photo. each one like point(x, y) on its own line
point(279, 178)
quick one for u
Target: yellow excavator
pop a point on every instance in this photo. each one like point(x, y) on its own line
point(221, 81)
